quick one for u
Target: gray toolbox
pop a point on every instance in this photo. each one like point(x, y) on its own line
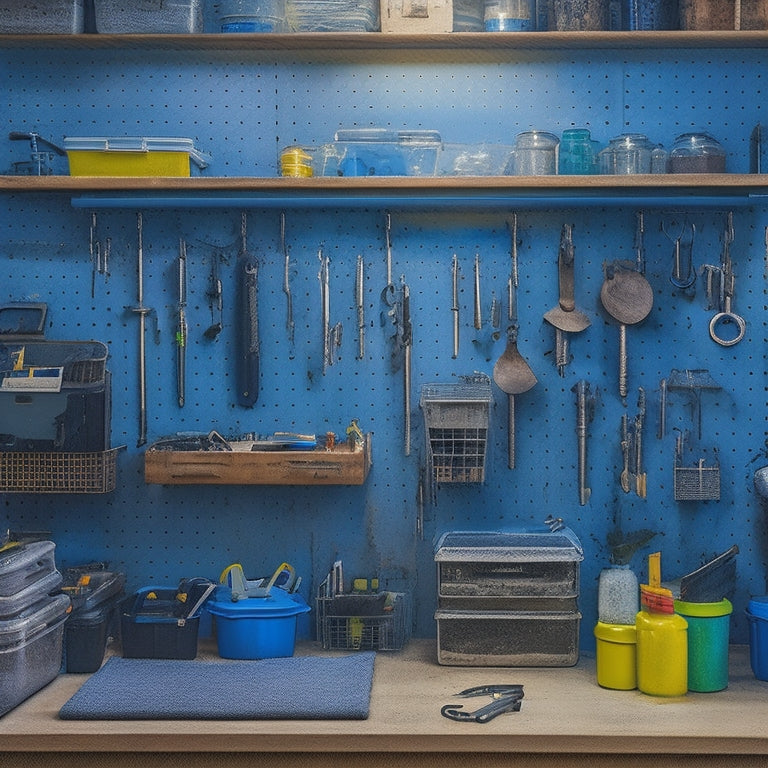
point(508, 598)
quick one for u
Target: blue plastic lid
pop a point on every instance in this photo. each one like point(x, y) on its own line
point(758, 606)
point(279, 603)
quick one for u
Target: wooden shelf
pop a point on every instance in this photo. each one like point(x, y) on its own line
point(320, 467)
point(508, 42)
point(474, 191)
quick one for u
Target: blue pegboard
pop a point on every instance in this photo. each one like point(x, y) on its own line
point(242, 108)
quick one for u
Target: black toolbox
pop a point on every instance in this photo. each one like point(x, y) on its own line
point(96, 596)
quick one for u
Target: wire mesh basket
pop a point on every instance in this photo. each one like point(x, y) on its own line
point(33, 472)
point(456, 416)
point(388, 628)
point(697, 483)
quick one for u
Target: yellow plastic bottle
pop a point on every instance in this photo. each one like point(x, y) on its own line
point(662, 639)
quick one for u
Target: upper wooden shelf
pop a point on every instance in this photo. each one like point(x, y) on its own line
point(410, 191)
point(377, 41)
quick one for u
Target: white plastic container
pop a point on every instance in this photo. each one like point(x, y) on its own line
point(148, 16)
point(45, 17)
point(618, 595)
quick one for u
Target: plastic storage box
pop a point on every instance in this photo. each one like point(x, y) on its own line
point(24, 565)
point(156, 624)
point(508, 638)
point(12, 605)
point(256, 627)
point(149, 16)
point(517, 570)
point(30, 650)
point(132, 156)
point(95, 597)
point(333, 15)
point(380, 152)
point(48, 17)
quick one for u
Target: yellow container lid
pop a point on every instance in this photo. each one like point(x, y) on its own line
point(616, 633)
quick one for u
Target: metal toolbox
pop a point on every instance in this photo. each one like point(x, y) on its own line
point(517, 570)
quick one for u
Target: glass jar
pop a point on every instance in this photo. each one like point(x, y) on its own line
point(618, 595)
point(535, 154)
point(707, 14)
point(578, 153)
point(579, 15)
point(253, 16)
point(696, 153)
point(627, 154)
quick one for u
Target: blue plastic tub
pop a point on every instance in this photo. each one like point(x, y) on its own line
point(256, 627)
point(757, 615)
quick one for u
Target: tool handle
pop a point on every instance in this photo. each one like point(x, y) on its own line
point(511, 448)
point(248, 390)
point(565, 261)
point(623, 360)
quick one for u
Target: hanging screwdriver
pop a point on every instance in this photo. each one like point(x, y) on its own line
point(181, 328)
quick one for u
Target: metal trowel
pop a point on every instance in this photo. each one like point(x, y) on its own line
point(513, 376)
point(565, 318)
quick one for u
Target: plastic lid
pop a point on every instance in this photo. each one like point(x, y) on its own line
point(721, 608)
point(136, 144)
point(32, 620)
point(616, 633)
point(278, 604)
point(524, 545)
point(758, 606)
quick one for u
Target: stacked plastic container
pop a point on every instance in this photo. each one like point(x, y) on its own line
point(32, 620)
point(508, 598)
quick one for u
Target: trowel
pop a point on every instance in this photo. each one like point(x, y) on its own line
point(513, 376)
point(565, 318)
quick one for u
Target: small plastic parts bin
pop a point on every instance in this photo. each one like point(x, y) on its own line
point(44, 17)
point(155, 623)
point(132, 156)
point(95, 598)
point(256, 627)
point(149, 16)
point(30, 649)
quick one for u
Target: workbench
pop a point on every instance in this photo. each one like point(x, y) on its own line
point(565, 720)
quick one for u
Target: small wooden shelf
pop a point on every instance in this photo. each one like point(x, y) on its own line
point(340, 466)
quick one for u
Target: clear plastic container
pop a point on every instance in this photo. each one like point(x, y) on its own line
point(148, 16)
point(707, 14)
point(696, 153)
point(649, 14)
point(48, 17)
point(253, 16)
point(510, 15)
point(535, 154)
point(579, 15)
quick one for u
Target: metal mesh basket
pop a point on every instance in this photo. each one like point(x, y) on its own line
point(32, 472)
point(386, 631)
point(698, 483)
point(456, 417)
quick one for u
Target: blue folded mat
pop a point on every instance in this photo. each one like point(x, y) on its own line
point(295, 688)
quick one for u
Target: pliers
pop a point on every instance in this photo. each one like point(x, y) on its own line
point(505, 698)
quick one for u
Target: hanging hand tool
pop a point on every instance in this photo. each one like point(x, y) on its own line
point(662, 431)
point(478, 313)
point(726, 316)
point(181, 327)
point(584, 413)
point(93, 248)
point(215, 300)
point(289, 324)
point(627, 297)
point(407, 354)
point(513, 280)
point(142, 312)
point(360, 305)
point(640, 242)
point(455, 303)
point(513, 376)
point(323, 277)
point(624, 478)
point(387, 294)
point(641, 479)
point(683, 274)
point(565, 318)
point(248, 309)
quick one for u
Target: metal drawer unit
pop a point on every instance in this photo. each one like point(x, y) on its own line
point(517, 590)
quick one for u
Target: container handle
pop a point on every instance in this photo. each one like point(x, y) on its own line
point(182, 621)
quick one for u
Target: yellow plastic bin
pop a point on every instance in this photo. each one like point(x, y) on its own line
point(616, 655)
point(662, 653)
point(708, 634)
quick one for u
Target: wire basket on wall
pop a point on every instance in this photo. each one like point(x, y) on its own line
point(456, 417)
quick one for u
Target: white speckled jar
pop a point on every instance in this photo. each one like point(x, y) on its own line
point(618, 595)
point(579, 15)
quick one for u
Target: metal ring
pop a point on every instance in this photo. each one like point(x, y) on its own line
point(726, 318)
